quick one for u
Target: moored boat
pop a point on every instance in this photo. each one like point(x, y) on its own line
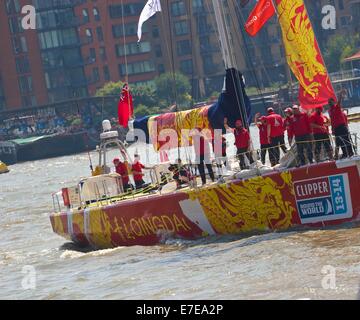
point(8, 152)
point(3, 168)
point(43, 147)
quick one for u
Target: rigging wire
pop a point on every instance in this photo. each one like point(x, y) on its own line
point(238, 99)
point(125, 56)
point(245, 48)
point(261, 63)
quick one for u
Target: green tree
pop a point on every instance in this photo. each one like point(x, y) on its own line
point(339, 48)
point(167, 91)
point(110, 89)
point(142, 94)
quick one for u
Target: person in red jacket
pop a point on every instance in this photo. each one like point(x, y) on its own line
point(261, 123)
point(122, 169)
point(202, 152)
point(137, 172)
point(339, 126)
point(287, 126)
point(320, 128)
point(275, 132)
point(300, 126)
point(242, 142)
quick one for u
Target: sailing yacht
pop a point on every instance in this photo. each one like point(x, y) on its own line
point(98, 212)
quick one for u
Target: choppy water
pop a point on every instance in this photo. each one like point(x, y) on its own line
point(288, 265)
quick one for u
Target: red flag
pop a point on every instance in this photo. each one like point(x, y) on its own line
point(303, 54)
point(263, 11)
point(125, 106)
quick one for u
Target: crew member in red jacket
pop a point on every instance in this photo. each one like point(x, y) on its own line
point(137, 172)
point(339, 126)
point(242, 142)
point(300, 125)
point(123, 170)
point(320, 128)
point(287, 126)
point(202, 152)
point(261, 123)
point(275, 132)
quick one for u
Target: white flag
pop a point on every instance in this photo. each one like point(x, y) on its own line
point(151, 7)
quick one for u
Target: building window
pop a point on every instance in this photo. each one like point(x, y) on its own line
point(19, 45)
point(100, 34)
point(96, 74)
point(89, 35)
point(345, 21)
point(106, 73)
point(12, 6)
point(155, 32)
point(198, 5)
point(57, 38)
point(136, 68)
point(85, 14)
point(133, 48)
point(130, 30)
point(181, 27)
point(15, 25)
point(204, 43)
point(158, 51)
point(25, 84)
point(341, 4)
point(52, 58)
point(92, 54)
point(70, 56)
point(208, 63)
point(102, 52)
point(183, 47)
point(28, 101)
point(161, 68)
point(96, 14)
point(22, 65)
point(133, 9)
point(186, 66)
point(178, 8)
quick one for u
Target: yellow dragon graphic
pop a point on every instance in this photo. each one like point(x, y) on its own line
point(299, 41)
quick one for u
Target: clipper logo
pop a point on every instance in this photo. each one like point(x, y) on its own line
point(323, 199)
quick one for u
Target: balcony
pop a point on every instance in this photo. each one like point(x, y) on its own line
point(44, 25)
point(345, 75)
point(57, 4)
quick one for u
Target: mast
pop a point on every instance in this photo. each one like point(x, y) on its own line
point(229, 56)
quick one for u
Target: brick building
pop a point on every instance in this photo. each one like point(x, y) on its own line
point(79, 45)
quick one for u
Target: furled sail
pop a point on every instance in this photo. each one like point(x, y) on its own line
point(209, 117)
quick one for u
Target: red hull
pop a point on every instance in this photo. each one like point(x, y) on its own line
point(320, 195)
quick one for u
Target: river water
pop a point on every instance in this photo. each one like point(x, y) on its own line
point(35, 263)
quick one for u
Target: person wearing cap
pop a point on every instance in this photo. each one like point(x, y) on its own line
point(180, 173)
point(202, 152)
point(300, 126)
point(242, 142)
point(275, 133)
point(261, 123)
point(339, 126)
point(320, 128)
point(287, 127)
point(122, 169)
